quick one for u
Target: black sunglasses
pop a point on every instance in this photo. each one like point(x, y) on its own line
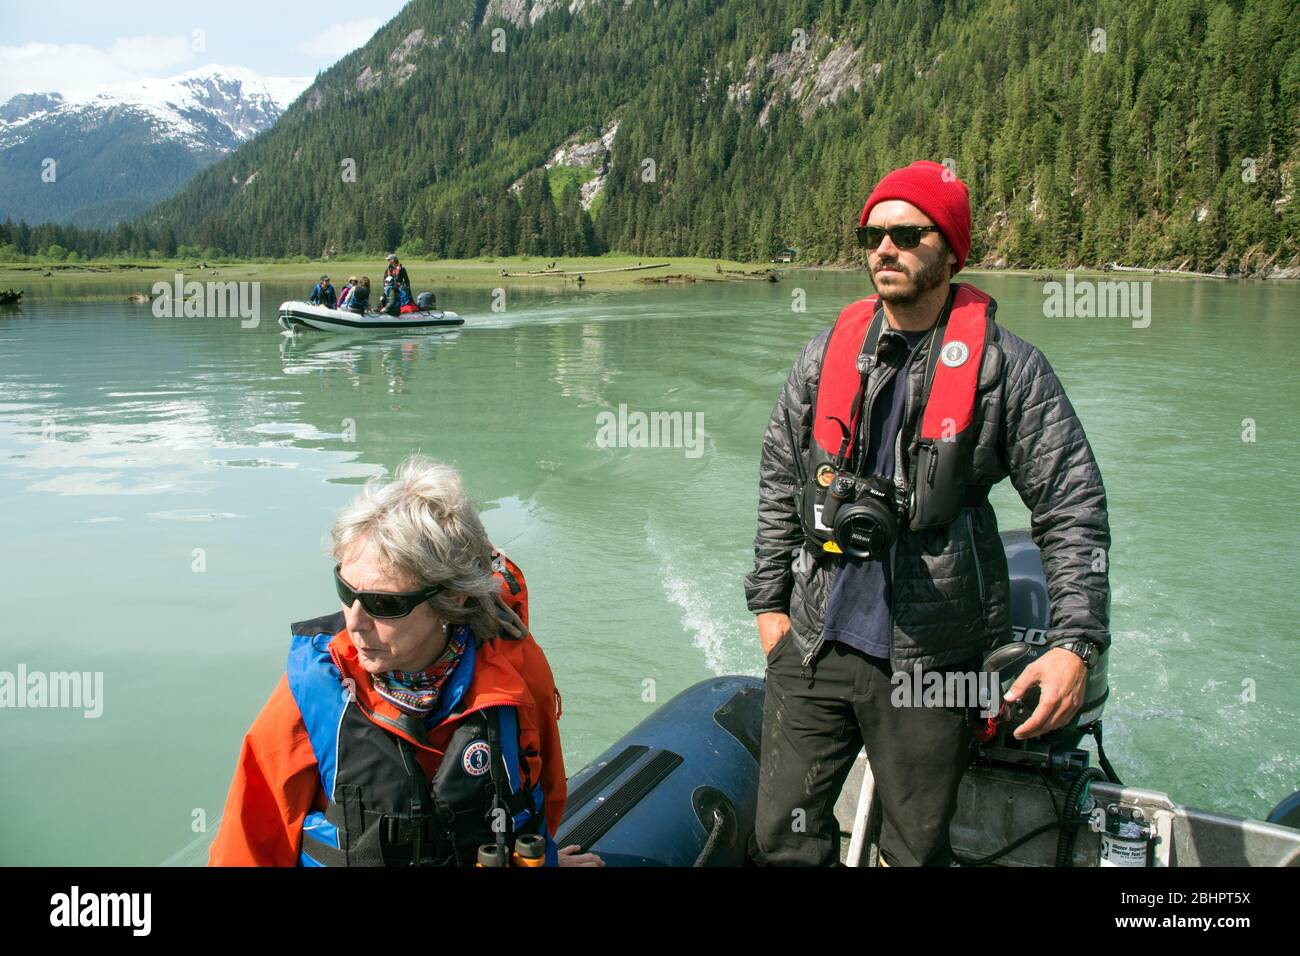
point(383, 604)
point(905, 237)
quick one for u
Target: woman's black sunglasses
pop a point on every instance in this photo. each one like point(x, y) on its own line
point(383, 604)
point(905, 237)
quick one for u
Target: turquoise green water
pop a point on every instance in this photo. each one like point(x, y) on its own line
point(166, 486)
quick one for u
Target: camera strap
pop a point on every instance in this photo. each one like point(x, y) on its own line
point(936, 349)
point(866, 359)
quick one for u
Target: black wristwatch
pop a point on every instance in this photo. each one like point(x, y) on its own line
point(1087, 650)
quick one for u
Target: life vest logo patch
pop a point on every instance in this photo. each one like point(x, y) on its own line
point(825, 475)
point(954, 354)
point(476, 758)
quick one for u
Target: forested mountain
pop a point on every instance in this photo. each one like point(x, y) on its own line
point(1145, 131)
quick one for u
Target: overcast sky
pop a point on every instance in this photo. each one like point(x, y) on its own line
point(76, 47)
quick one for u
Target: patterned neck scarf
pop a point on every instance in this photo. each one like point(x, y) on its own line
point(417, 692)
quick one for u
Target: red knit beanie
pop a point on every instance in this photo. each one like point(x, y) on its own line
point(938, 193)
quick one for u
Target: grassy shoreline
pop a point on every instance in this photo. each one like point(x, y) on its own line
point(134, 276)
point(435, 274)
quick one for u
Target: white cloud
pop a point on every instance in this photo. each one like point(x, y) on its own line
point(78, 69)
point(340, 39)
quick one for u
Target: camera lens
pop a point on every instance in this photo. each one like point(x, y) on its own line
point(866, 528)
point(863, 533)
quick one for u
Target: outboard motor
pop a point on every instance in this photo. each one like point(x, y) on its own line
point(425, 302)
point(1030, 619)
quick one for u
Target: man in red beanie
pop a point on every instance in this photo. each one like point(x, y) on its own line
point(878, 553)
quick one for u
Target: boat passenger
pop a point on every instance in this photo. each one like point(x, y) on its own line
point(397, 287)
point(912, 577)
point(359, 299)
point(323, 293)
point(417, 725)
point(345, 292)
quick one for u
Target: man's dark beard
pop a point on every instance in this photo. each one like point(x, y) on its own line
point(925, 280)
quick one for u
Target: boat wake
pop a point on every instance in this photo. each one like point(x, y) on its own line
point(697, 584)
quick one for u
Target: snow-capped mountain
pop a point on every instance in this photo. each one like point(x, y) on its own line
point(27, 106)
point(217, 106)
point(129, 145)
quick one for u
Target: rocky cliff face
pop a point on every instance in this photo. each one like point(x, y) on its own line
point(814, 76)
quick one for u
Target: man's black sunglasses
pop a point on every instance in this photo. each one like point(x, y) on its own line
point(905, 237)
point(383, 604)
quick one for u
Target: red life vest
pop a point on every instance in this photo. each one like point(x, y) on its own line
point(952, 390)
point(936, 485)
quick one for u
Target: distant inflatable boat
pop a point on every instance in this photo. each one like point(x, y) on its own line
point(296, 316)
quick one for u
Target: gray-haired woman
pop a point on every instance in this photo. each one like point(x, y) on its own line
point(418, 725)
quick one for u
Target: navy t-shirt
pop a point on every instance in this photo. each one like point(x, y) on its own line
point(857, 612)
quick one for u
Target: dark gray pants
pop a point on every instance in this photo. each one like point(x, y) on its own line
point(815, 723)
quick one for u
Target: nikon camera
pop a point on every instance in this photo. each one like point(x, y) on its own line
point(863, 515)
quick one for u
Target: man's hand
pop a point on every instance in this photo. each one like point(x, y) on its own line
point(573, 856)
point(1060, 675)
point(772, 625)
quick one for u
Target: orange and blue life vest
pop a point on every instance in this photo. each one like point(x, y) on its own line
point(382, 809)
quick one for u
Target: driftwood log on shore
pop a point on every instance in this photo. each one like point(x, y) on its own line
point(1116, 267)
point(762, 275)
point(581, 272)
point(677, 278)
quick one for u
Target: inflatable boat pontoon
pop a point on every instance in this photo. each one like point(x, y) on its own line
point(296, 316)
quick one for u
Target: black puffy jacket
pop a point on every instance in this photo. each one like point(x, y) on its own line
point(360, 300)
point(951, 592)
